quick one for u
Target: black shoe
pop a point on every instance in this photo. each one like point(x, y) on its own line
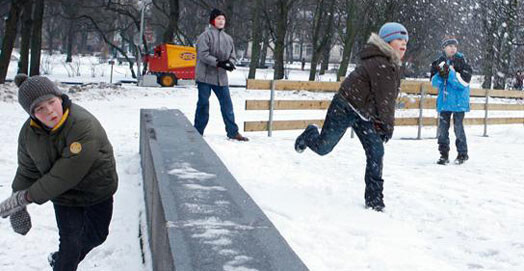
point(375, 204)
point(52, 258)
point(300, 142)
point(443, 159)
point(461, 158)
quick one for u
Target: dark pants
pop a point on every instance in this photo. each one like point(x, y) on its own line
point(226, 107)
point(339, 118)
point(443, 132)
point(81, 229)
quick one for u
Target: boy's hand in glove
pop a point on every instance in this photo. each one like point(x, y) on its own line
point(14, 203)
point(226, 65)
point(384, 133)
point(21, 221)
point(443, 70)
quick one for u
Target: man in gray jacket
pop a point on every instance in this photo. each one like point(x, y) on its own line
point(215, 56)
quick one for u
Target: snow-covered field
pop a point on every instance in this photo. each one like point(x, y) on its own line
point(466, 217)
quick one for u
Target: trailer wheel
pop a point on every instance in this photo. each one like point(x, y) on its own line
point(167, 80)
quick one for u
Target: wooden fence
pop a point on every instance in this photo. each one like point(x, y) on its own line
point(424, 100)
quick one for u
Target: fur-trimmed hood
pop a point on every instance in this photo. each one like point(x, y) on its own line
point(380, 48)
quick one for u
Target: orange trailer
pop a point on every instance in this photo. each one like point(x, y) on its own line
point(171, 62)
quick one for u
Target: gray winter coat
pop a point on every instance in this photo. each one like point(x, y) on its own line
point(212, 46)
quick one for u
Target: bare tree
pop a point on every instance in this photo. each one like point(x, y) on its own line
point(9, 37)
point(23, 61)
point(256, 39)
point(36, 37)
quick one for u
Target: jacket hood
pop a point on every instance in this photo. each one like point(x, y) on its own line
point(376, 46)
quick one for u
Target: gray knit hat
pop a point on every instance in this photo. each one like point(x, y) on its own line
point(33, 90)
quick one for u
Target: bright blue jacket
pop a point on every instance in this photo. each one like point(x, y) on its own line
point(453, 93)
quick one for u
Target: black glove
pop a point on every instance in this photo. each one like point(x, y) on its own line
point(14, 203)
point(226, 65)
point(382, 131)
point(21, 221)
point(443, 70)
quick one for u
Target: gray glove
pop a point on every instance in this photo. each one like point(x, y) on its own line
point(14, 203)
point(21, 221)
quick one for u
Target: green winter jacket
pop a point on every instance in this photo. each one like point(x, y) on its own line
point(71, 165)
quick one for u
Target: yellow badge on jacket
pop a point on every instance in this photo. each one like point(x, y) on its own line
point(75, 147)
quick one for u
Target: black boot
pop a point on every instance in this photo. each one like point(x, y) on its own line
point(52, 258)
point(377, 204)
point(461, 158)
point(444, 159)
point(300, 142)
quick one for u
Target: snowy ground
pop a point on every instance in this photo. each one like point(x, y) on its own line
point(452, 217)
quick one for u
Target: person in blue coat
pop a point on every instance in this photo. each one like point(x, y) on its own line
point(451, 74)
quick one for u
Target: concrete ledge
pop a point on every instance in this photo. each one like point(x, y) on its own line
point(199, 217)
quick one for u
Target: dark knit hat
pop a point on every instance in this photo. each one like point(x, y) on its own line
point(33, 90)
point(449, 41)
point(215, 13)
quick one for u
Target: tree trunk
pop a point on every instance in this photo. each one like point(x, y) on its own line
point(172, 26)
point(325, 60)
point(349, 40)
point(69, 45)
point(280, 41)
point(263, 54)
point(257, 37)
point(9, 39)
point(50, 37)
point(36, 37)
point(320, 43)
point(23, 62)
point(489, 51)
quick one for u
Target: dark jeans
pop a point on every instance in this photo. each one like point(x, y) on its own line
point(226, 107)
point(81, 229)
point(443, 132)
point(339, 118)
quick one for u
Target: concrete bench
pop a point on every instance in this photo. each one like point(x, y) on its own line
point(199, 218)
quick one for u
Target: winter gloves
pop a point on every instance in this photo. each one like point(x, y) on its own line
point(14, 207)
point(443, 70)
point(21, 221)
point(16, 202)
point(382, 131)
point(226, 65)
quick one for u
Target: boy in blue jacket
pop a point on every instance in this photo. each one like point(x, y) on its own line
point(451, 75)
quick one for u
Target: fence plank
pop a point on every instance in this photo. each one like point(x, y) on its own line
point(402, 103)
point(407, 86)
point(254, 126)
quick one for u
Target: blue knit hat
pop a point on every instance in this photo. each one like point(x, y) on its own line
point(393, 31)
point(449, 41)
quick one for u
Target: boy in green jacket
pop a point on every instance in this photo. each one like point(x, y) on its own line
point(64, 156)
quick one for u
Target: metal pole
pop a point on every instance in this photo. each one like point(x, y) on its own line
point(352, 133)
point(112, 62)
point(271, 108)
point(139, 60)
point(486, 110)
point(421, 108)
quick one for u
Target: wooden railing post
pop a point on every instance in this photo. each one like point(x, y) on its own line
point(271, 109)
point(421, 109)
point(486, 111)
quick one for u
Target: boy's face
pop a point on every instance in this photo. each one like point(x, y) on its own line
point(220, 22)
point(49, 112)
point(399, 45)
point(450, 50)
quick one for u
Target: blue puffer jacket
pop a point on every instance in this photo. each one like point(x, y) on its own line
point(453, 93)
